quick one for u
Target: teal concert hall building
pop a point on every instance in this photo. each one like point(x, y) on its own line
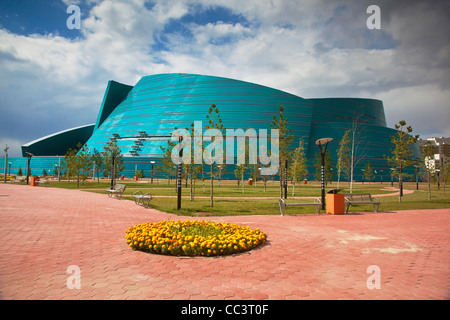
point(141, 118)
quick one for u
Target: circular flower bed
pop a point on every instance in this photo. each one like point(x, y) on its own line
point(193, 238)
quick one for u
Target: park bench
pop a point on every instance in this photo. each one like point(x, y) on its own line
point(117, 191)
point(283, 204)
point(43, 181)
point(143, 199)
point(361, 198)
point(21, 179)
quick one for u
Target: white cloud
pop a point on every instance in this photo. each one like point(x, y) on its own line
point(309, 48)
point(425, 108)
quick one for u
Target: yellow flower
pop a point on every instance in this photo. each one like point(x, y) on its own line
point(178, 237)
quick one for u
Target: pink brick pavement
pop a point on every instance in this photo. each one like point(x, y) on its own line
point(44, 230)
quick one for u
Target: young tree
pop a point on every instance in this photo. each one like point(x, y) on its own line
point(402, 154)
point(239, 172)
point(167, 164)
point(83, 163)
point(98, 160)
point(427, 165)
point(77, 163)
point(112, 154)
point(358, 149)
point(285, 141)
point(343, 157)
point(255, 173)
point(368, 172)
point(69, 163)
point(298, 170)
point(445, 172)
point(214, 122)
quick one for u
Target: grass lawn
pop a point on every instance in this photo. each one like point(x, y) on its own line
point(229, 199)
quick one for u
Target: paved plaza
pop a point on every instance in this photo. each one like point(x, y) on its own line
point(385, 255)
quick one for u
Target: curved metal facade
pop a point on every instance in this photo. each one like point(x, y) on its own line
point(159, 103)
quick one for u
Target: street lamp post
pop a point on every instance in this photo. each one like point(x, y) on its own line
point(6, 162)
point(29, 165)
point(438, 178)
point(180, 166)
point(417, 177)
point(285, 179)
point(59, 169)
point(320, 143)
point(153, 163)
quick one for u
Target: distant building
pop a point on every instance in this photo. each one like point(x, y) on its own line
point(441, 147)
point(158, 103)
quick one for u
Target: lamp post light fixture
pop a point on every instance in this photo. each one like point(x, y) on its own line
point(323, 150)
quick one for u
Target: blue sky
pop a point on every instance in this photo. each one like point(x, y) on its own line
point(53, 78)
point(26, 17)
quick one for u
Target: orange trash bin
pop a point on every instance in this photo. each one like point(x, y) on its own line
point(33, 180)
point(335, 203)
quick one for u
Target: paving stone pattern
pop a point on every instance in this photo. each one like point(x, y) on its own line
point(45, 230)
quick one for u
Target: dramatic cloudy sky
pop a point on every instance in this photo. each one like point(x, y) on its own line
point(53, 78)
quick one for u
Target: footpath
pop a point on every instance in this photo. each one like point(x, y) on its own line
point(70, 244)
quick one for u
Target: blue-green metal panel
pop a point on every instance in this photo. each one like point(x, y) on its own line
point(58, 143)
point(159, 103)
point(115, 93)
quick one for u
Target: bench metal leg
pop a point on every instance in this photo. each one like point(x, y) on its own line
point(282, 209)
point(318, 209)
point(282, 206)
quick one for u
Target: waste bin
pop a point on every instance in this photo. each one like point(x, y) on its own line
point(33, 181)
point(250, 181)
point(335, 202)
